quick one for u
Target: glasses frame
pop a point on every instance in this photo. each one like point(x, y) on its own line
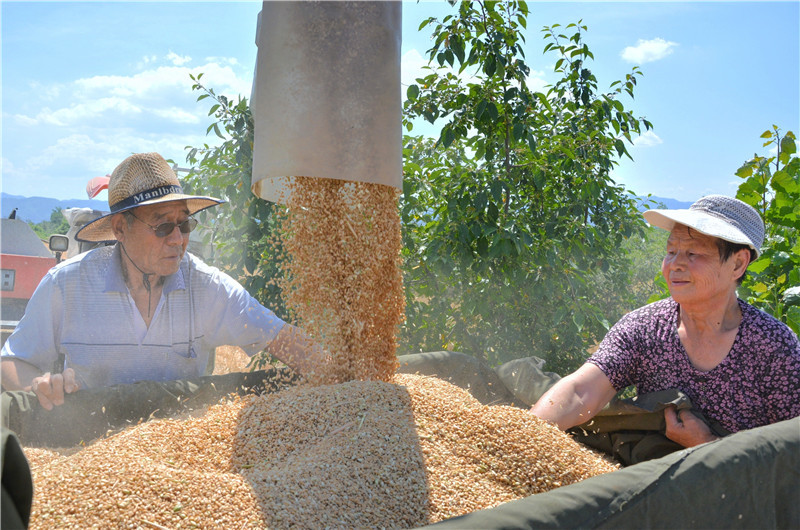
point(165, 229)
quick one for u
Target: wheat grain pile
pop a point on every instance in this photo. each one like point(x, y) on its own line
point(340, 245)
point(363, 454)
point(382, 450)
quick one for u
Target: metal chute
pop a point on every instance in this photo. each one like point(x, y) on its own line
point(327, 96)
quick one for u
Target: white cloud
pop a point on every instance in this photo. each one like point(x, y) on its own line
point(412, 66)
point(162, 92)
point(145, 61)
point(176, 114)
point(536, 81)
point(647, 139)
point(178, 60)
point(25, 121)
point(96, 122)
point(647, 51)
point(46, 92)
point(231, 61)
point(83, 112)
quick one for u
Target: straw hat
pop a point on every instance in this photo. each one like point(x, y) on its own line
point(141, 179)
point(716, 216)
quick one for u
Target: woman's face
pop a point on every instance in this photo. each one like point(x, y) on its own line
point(693, 269)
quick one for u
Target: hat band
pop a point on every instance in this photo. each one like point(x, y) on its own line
point(146, 195)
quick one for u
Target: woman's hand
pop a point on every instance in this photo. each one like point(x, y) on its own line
point(685, 428)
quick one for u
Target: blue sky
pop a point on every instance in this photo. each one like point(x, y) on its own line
point(86, 84)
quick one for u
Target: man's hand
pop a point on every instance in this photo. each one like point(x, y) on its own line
point(50, 388)
point(685, 428)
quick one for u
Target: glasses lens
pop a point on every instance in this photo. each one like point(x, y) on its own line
point(165, 229)
point(188, 225)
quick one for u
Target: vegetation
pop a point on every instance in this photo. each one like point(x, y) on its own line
point(772, 186)
point(517, 242)
point(225, 171)
point(509, 209)
point(56, 225)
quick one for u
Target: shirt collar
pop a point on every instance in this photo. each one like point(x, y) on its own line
point(115, 281)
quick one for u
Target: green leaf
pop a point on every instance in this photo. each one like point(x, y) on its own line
point(532, 143)
point(491, 111)
point(578, 318)
point(793, 319)
point(490, 66)
point(791, 296)
point(481, 108)
point(782, 181)
point(780, 258)
point(458, 50)
point(519, 132)
point(480, 201)
point(448, 137)
point(759, 265)
point(413, 92)
point(788, 145)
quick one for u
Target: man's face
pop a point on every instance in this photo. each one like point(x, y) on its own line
point(693, 269)
point(159, 255)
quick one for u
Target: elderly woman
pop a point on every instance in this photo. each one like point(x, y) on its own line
point(737, 364)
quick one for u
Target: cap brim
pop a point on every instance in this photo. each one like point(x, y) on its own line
point(99, 230)
point(700, 221)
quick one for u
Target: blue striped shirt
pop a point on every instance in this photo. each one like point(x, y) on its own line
point(83, 311)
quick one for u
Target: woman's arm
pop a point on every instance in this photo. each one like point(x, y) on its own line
point(576, 398)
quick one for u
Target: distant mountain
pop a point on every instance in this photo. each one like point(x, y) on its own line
point(38, 209)
point(661, 202)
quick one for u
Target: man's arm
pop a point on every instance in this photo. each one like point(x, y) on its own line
point(298, 351)
point(17, 374)
point(575, 398)
point(49, 388)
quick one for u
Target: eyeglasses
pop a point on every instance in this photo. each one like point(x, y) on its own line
point(165, 229)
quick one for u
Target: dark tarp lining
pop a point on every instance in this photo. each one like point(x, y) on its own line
point(17, 484)
point(91, 413)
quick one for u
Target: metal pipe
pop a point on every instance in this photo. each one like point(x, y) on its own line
point(327, 97)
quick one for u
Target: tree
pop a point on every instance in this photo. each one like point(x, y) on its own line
point(56, 225)
point(241, 228)
point(513, 207)
point(772, 186)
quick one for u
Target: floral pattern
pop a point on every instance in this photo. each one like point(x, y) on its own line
point(757, 383)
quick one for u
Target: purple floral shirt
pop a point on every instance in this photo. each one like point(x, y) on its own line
point(758, 383)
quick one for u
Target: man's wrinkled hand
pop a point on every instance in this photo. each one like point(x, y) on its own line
point(50, 388)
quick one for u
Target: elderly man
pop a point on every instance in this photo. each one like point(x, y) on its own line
point(737, 364)
point(143, 309)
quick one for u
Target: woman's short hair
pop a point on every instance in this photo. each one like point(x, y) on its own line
point(727, 249)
